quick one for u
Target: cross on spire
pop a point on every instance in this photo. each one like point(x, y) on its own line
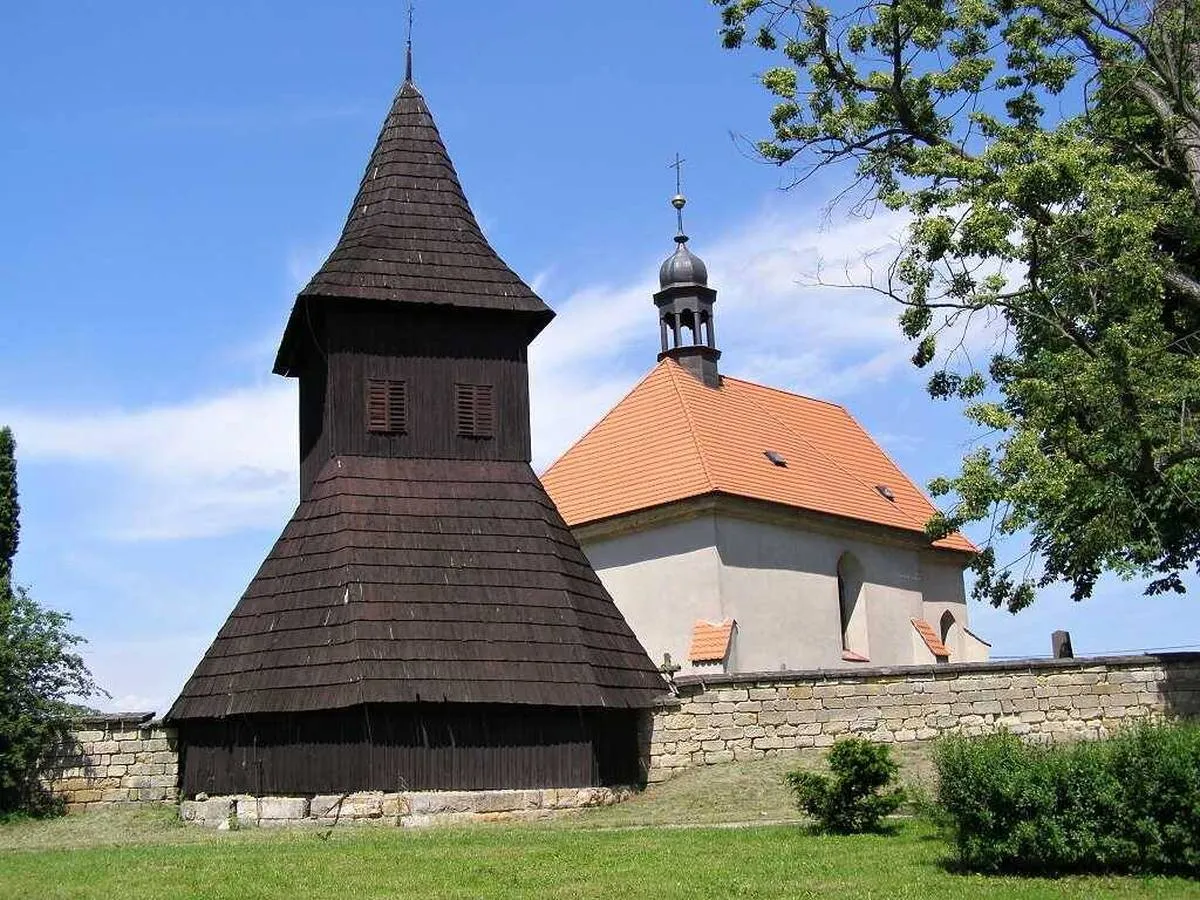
point(678, 201)
point(408, 45)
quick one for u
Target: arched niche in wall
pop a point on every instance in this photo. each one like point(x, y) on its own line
point(949, 629)
point(852, 609)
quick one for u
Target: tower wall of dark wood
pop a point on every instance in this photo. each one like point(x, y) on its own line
point(410, 747)
point(431, 351)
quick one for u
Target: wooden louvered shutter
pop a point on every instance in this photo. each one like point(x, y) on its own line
point(387, 406)
point(474, 413)
point(484, 414)
point(397, 407)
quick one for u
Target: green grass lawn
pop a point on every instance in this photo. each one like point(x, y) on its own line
point(624, 852)
point(368, 862)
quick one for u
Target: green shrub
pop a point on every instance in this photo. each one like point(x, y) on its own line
point(1130, 803)
point(857, 793)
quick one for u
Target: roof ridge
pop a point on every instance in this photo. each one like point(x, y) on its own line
point(920, 491)
point(608, 415)
point(777, 390)
point(691, 423)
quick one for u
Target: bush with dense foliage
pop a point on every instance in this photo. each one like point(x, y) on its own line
point(858, 791)
point(1129, 803)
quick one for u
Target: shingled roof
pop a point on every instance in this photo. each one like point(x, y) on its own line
point(410, 236)
point(420, 580)
point(673, 437)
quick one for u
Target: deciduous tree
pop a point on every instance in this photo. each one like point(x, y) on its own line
point(1048, 154)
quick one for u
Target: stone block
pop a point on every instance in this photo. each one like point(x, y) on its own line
point(206, 812)
point(719, 756)
point(800, 692)
point(427, 820)
point(732, 695)
point(762, 693)
point(746, 753)
point(433, 802)
point(274, 809)
point(325, 806)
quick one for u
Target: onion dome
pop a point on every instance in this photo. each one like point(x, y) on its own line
point(682, 266)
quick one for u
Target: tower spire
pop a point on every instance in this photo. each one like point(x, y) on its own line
point(685, 301)
point(679, 201)
point(408, 46)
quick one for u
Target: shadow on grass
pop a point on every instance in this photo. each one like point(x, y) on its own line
point(886, 829)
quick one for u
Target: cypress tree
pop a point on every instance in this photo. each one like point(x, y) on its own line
point(10, 509)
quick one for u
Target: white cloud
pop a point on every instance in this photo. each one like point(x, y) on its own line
point(194, 469)
point(143, 675)
point(225, 463)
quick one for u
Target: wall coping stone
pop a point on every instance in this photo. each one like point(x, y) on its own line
point(117, 718)
point(933, 669)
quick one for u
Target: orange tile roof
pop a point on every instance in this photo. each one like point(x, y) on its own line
point(710, 641)
point(932, 641)
point(672, 438)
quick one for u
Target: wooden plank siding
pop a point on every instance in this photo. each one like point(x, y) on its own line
point(410, 747)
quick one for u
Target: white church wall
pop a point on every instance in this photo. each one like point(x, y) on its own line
point(778, 579)
point(780, 584)
point(663, 580)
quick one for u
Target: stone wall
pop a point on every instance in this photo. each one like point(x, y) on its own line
point(409, 810)
point(117, 758)
point(723, 718)
point(130, 757)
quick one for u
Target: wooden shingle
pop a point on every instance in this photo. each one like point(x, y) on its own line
point(410, 236)
point(409, 580)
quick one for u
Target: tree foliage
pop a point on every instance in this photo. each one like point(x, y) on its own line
point(10, 509)
point(40, 672)
point(1048, 155)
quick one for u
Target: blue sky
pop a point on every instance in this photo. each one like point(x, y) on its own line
point(173, 173)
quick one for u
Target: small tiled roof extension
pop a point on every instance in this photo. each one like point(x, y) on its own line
point(931, 639)
point(710, 641)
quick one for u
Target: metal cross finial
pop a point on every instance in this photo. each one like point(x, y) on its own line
point(678, 201)
point(408, 45)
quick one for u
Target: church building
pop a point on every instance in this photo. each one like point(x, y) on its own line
point(741, 528)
